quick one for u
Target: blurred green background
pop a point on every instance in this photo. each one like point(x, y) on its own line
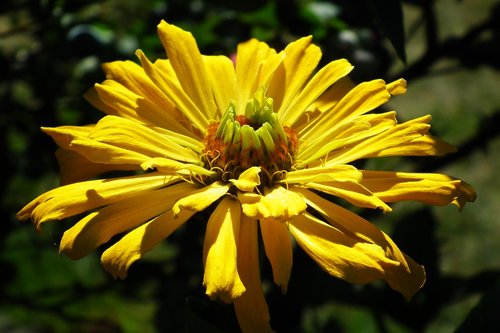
point(448, 50)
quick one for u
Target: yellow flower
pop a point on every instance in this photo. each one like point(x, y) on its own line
point(261, 140)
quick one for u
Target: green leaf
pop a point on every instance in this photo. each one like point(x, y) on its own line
point(388, 16)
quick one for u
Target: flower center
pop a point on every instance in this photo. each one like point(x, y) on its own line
point(256, 138)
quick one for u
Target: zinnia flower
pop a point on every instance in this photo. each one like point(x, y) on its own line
point(260, 143)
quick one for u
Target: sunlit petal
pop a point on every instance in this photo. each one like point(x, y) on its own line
point(251, 307)
point(337, 253)
point(74, 167)
point(73, 199)
point(220, 255)
point(431, 188)
point(301, 59)
point(200, 199)
point(98, 227)
point(189, 67)
point(248, 179)
point(278, 246)
point(276, 202)
point(351, 191)
point(407, 278)
point(135, 244)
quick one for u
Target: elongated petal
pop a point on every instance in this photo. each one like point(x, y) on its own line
point(279, 250)
point(426, 145)
point(320, 82)
point(202, 198)
point(169, 166)
point(301, 58)
point(251, 56)
point(220, 71)
point(116, 140)
point(332, 96)
point(433, 189)
point(375, 145)
point(317, 149)
point(115, 99)
point(220, 255)
point(134, 78)
point(189, 67)
point(344, 136)
point(135, 244)
point(136, 137)
point(74, 167)
point(353, 192)
point(73, 199)
point(162, 74)
point(251, 307)
point(98, 152)
point(337, 253)
point(363, 98)
point(278, 203)
point(408, 278)
point(98, 227)
point(322, 174)
point(63, 135)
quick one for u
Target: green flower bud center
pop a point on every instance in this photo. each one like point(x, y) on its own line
point(257, 138)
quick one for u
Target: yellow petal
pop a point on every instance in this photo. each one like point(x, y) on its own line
point(251, 307)
point(98, 227)
point(431, 188)
point(375, 145)
point(200, 199)
point(220, 71)
point(162, 73)
point(426, 145)
point(323, 174)
point(407, 278)
point(116, 140)
point(63, 135)
point(131, 76)
point(74, 167)
point(364, 97)
point(319, 147)
point(397, 87)
point(319, 83)
point(169, 166)
point(120, 101)
point(132, 247)
point(344, 136)
point(146, 140)
point(322, 104)
point(221, 276)
point(337, 253)
point(301, 58)
point(251, 57)
point(98, 152)
point(73, 199)
point(353, 192)
point(277, 202)
point(93, 98)
point(332, 95)
point(278, 248)
point(247, 180)
point(188, 65)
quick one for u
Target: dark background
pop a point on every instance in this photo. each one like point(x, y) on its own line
point(449, 52)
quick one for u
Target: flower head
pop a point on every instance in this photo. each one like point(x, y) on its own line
point(261, 140)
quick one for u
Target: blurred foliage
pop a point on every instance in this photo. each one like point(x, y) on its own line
point(50, 51)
